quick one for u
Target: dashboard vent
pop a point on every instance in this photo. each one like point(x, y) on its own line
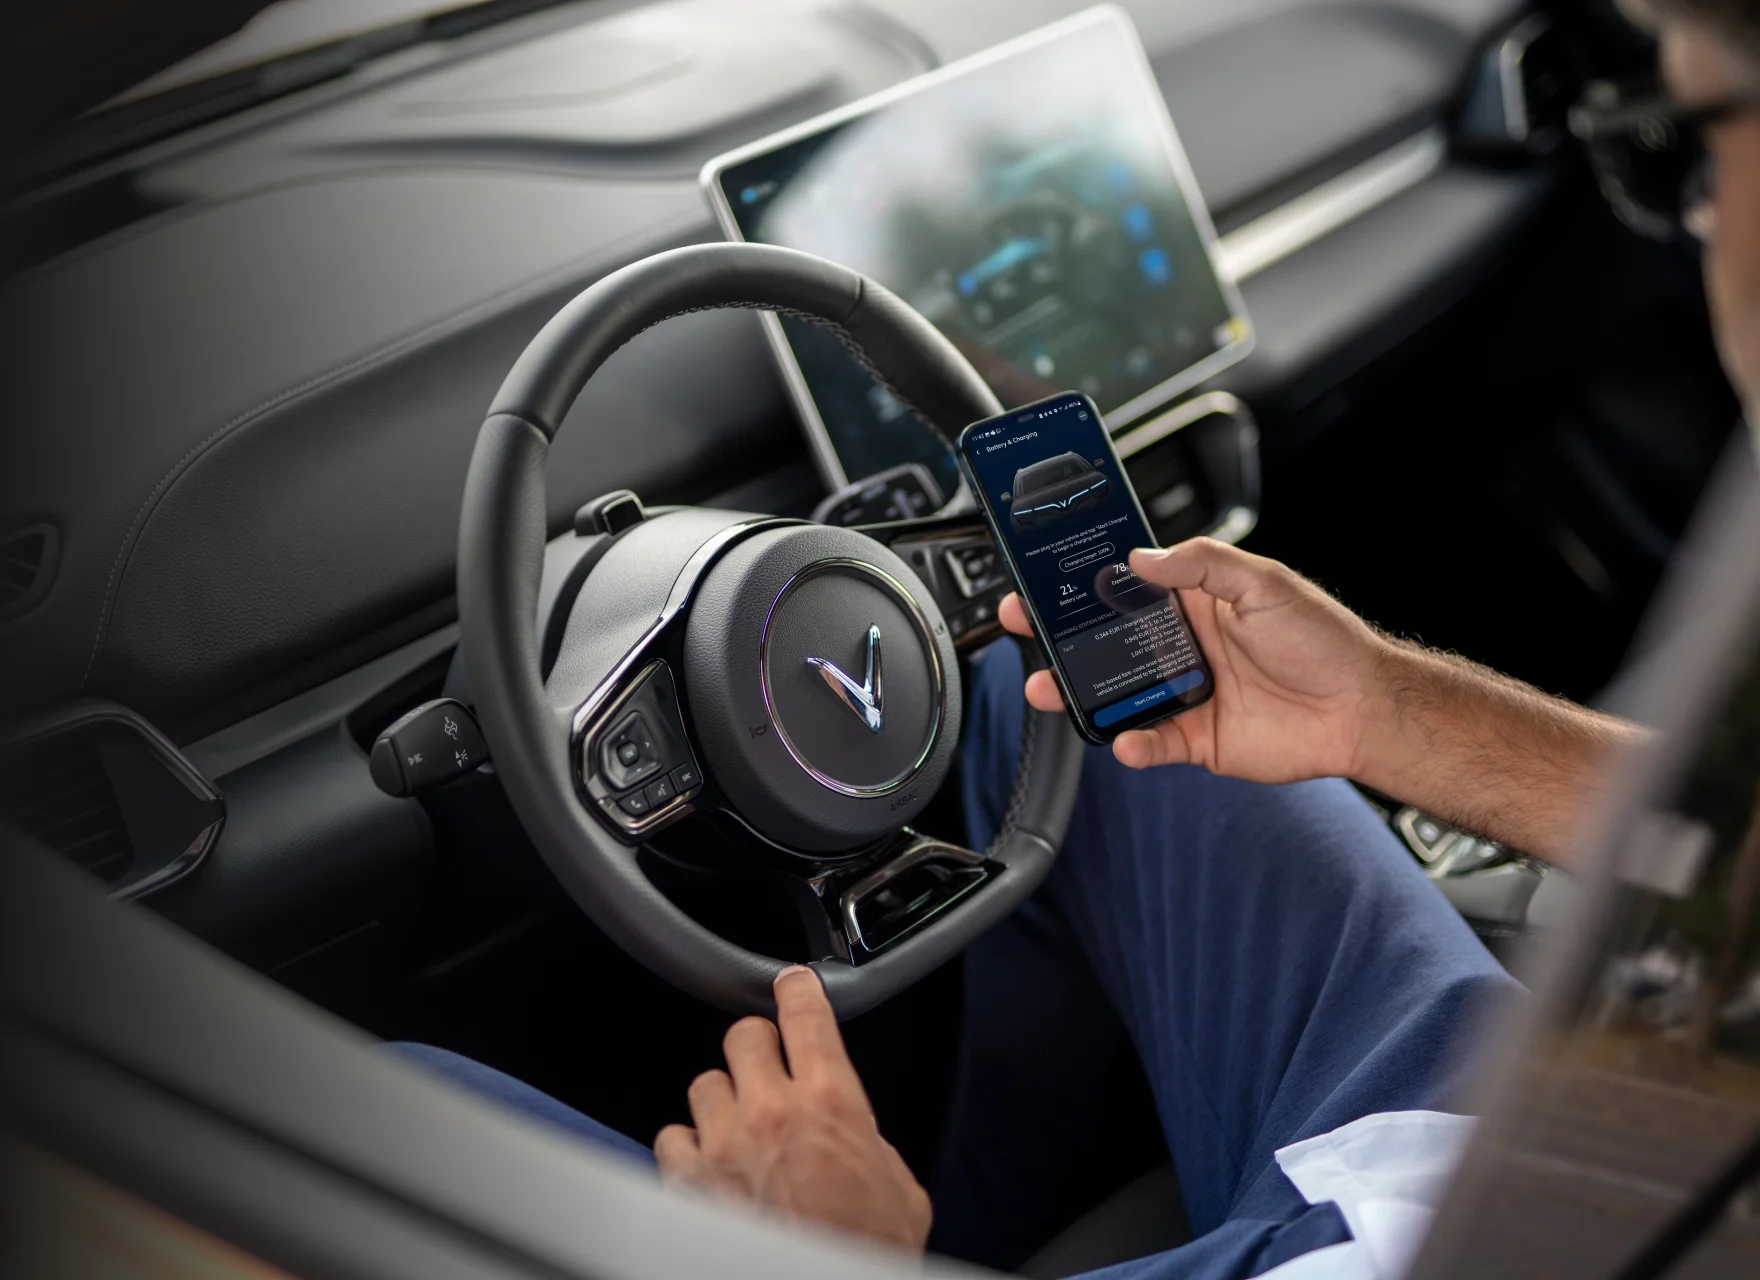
point(60, 792)
point(1196, 468)
point(100, 786)
point(1516, 99)
point(27, 567)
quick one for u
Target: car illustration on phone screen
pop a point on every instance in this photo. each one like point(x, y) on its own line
point(1055, 488)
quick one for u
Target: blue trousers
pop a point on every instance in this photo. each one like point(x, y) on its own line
point(1274, 958)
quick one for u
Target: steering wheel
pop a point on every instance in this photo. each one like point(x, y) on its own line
point(798, 681)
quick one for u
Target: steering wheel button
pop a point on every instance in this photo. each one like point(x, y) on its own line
point(661, 792)
point(686, 778)
point(628, 755)
point(698, 588)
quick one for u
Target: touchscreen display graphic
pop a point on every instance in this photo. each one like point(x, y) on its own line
point(1034, 205)
point(1058, 497)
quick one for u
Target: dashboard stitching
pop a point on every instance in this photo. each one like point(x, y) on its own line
point(526, 290)
point(177, 469)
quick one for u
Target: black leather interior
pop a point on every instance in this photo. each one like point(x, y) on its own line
point(1381, 278)
point(316, 853)
point(1350, 79)
point(895, 342)
point(245, 371)
point(500, 547)
point(233, 384)
point(164, 1068)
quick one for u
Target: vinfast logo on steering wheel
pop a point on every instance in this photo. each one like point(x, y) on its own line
point(864, 699)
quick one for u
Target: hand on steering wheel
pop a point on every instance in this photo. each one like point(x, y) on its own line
point(713, 662)
point(796, 1136)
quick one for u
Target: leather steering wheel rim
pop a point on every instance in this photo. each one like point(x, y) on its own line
point(502, 535)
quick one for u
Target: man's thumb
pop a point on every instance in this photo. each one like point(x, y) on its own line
point(1203, 564)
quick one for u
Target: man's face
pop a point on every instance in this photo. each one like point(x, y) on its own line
point(1700, 69)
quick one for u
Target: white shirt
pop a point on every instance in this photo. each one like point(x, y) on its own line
point(1387, 1173)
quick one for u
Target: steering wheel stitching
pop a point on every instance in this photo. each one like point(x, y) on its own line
point(684, 645)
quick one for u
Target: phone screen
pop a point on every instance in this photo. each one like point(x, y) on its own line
point(1063, 512)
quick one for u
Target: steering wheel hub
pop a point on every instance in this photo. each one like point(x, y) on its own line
point(804, 623)
point(823, 684)
point(801, 677)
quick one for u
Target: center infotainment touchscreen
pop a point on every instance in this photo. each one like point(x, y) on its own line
point(1033, 202)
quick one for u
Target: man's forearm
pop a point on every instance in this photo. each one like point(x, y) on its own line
point(1484, 752)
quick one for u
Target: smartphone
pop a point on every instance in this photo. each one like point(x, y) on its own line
point(1065, 517)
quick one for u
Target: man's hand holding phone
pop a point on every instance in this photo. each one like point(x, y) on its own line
point(1306, 689)
point(1294, 669)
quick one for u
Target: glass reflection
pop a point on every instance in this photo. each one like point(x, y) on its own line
point(1633, 1143)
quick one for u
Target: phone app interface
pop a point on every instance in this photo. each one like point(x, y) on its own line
point(1061, 501)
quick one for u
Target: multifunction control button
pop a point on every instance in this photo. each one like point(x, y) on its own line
point(629, 755)
point(976, 569)
point(969, 577)
point(640, 765)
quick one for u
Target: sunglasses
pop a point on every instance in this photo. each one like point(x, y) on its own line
point(1649, 153)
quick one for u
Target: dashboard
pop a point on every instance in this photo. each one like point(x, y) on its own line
point(340, 379)
point(254, 480)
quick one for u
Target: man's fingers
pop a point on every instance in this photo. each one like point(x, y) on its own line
point(754, 1055)
point(1135, 748)
point(809, 1032)
point(1146, 748)
point(1013, 616)
point(1043, 693)
point(1204, 564)
point(711, 1099)
point(677, 1153)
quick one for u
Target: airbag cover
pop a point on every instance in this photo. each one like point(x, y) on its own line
point(796, 758)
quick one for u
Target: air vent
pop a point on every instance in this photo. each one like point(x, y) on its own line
point(1516, 99)
point(99, 785)
point(59, 792)
point(27, 567)
point(1196, 469)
